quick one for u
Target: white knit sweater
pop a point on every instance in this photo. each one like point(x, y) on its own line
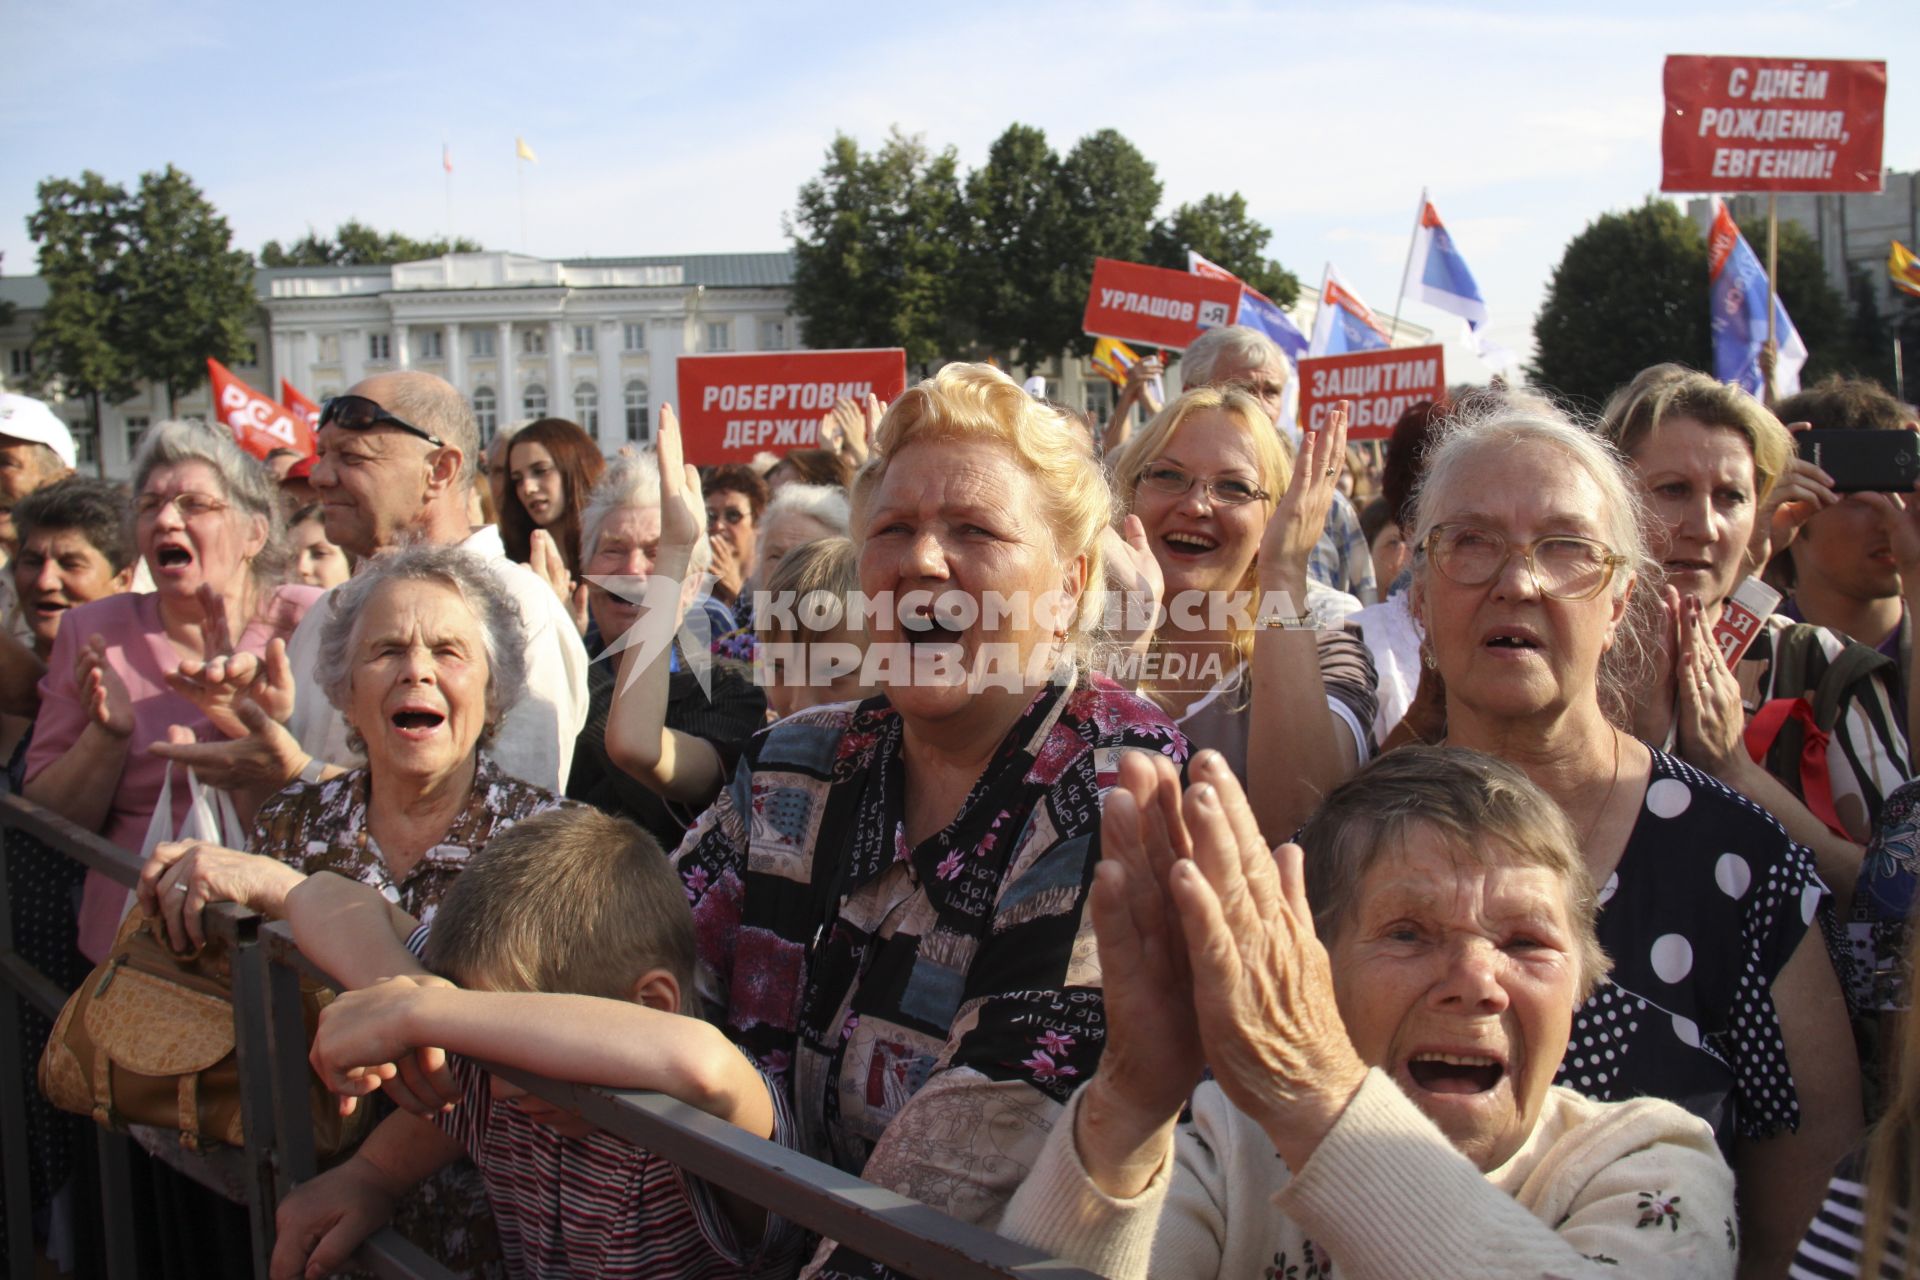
point(1600, 1189)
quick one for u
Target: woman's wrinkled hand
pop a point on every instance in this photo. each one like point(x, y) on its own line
point(218, 685)
point(102, 692)
point(181, 878)
point(1300, 515)
point(1262, 983)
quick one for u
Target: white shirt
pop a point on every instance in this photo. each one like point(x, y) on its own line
point(535, 743)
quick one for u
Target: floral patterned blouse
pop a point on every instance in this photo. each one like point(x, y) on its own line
point(930, 1006)
point(322, 826)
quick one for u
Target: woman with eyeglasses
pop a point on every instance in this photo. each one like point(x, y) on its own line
point(206, 518)
point(1722, 997)
point(1249, 658)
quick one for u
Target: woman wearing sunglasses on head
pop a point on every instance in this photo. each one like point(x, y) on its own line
point(1225, 521)
point(1722, 997)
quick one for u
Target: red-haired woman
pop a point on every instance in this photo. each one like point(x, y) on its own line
point(552, 465)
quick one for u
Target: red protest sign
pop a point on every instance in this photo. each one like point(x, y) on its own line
point(732, 407)
point(1161, 308)
point(1772, 124)
point(1381, 385)
point(260, 425)
point(308, 411)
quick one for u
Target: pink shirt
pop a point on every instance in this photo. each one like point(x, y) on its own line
point(139, 652)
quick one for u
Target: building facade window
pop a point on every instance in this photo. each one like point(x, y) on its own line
point(583, 339)
point(248, 356)
point(482, 344)
point(533, 342)
point(586, 408)
point(329, 348)
point(637, 411)
point(636, 336)
point(136, 427)
point(379, 348)
point(533, 401)
point(20, 360)
point(430, 345)
point(86, 445)
point(486, 413)
point(773, 335)
point(720, 336)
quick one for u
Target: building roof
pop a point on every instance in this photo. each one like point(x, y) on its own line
point(714, 270)
point(26, 292)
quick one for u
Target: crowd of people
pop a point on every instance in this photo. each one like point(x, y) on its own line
point(1183, 844)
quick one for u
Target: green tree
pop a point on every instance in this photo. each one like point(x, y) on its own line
point(1010, 286)
point(187, 293)
point(81, 346)
point(355, 244)
point(1630, 291)
point(1217, 228)
point(1111, 192)
point(876, 241)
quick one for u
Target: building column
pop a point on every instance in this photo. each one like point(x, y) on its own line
point(402, 357)
point(560, 388)
point(509, 390)
point(299, 366)
point(613, 391)
point(456, 358)
point(353, 355)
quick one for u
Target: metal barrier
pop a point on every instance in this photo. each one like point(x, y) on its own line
point(271, 1047)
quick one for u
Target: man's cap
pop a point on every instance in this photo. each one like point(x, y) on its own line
point(24, 418)
point(299, 471)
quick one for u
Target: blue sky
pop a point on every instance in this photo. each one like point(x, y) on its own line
point(690, 130)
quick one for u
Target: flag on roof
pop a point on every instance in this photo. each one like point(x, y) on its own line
point(522, 151)
point(1344, 323)
point(1738, 289)
point(446, 157)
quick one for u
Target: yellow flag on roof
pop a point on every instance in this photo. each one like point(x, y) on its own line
point(524, 152)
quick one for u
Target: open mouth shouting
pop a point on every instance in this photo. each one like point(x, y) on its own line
point(173, 557)
point(417, 722)
point(1437, 1071)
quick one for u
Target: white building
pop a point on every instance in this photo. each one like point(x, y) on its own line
point(596, 340)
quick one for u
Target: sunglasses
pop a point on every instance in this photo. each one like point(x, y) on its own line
point(357, 413)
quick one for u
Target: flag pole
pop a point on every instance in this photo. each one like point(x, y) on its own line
point(1773, 259)
point(1407, 270)
point(1899, 368)
point(446, 165)
point(520, 178)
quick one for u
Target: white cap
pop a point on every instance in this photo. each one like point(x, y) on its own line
point(23, 418)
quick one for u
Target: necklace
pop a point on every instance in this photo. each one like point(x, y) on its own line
point(1601, 812)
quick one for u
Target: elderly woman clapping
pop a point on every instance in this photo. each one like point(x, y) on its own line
point(423, 654)
point(1394, 1047)
point(1531, 543)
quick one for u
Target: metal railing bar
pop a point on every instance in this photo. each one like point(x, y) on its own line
point(913, 1238)
point(33, 986)
point(392, 1256)
point(89, 848)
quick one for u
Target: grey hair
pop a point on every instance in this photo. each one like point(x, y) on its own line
point(502, 629)
point(825, 503)
point(1499, 421)
point(1249, 346)
point(631, 480)
point(435, 405)
point(249, 486)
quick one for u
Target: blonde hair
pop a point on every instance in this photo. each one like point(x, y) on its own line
point(825, 564)
point(1272, 459)
point(1674, 391)
point(977, 402)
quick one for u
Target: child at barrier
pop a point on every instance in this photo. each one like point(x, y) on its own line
point(572, 944)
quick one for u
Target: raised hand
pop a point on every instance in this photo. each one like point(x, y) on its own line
point(544, 558)
point(1707, 708)
point(1300, 516)
point(102, 692)
point(1262, 984)
point(218, 684)
point(850, 425)
point(683, 513)
point(1802, 491)
point(263, 760)
point(1142, 584)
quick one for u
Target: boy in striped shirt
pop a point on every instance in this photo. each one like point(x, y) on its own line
point(572, 944)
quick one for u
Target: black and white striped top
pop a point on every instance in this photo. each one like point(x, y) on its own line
point(1832, 1246)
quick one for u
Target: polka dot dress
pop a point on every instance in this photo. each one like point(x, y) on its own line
point(1707, 905)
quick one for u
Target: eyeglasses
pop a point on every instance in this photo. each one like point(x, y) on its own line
point(191, 505)
point(1564, 567)
point(357, 413)
point(1223, 491)
point(732, 515)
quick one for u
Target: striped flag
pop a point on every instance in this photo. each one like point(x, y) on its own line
point(1343, 323)
point(1111, 360)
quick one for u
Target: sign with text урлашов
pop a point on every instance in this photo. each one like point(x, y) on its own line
point(734, 406)
point(1379, 386)
point(1772, 124)
point(1137, 303)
